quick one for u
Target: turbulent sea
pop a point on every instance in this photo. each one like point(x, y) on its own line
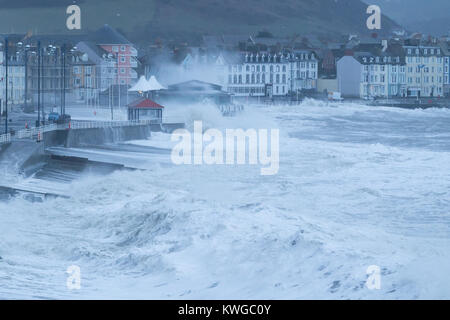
point(357, 186)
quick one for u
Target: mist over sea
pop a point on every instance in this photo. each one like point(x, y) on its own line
point(357, 186)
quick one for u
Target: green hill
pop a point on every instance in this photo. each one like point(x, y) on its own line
point(144, 19)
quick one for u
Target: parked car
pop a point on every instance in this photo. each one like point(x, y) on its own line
point(65, 118)
point(53, 117)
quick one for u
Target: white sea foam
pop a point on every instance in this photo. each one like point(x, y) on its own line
point(357, 186)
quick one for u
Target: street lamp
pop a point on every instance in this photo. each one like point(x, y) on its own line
point(26, 50)
point(421, 80)
point(6, 84)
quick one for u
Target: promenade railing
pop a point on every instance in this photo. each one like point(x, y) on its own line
point(5, 138)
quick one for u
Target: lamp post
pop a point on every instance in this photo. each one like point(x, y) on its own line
point(421, 80)
point(27, 48)
point(6, 84)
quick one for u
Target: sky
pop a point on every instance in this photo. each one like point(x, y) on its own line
point(428, 16)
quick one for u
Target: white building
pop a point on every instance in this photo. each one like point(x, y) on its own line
point(446, 75)
point(408, 71)
point(265, 74)
point(16, 80)
point(424, 71)
point(364, 75)
point(446, 53)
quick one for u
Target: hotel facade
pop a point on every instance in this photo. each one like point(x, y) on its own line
point(266, 75)
point(413, 71)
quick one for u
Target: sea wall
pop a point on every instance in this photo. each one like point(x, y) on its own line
point(27, 156)
point(99, 136)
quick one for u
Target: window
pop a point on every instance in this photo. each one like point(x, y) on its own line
point(123, 48)
point(115, 49)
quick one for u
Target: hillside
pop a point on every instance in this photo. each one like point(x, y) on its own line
point(419, 16)
point(182, 18)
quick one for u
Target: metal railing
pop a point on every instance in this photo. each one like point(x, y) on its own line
point(77, 125)
point(171, 120)
point(32, 132)
point(37, 132)
point(109, 124)
point(5, 138)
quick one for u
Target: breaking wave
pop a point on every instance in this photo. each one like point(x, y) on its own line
point(357, 186)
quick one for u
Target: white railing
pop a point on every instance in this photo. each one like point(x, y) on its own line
point(5, 138)
point(169, 120)
point(37, 132)
point(30, 133)
point(108, 124)
point(76, 125)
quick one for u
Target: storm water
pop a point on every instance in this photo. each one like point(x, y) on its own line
point(357, 186)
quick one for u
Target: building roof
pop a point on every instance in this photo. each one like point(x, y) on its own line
point(145, 103)
point(196, 86)
point(93, 50)
point(108, 35)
